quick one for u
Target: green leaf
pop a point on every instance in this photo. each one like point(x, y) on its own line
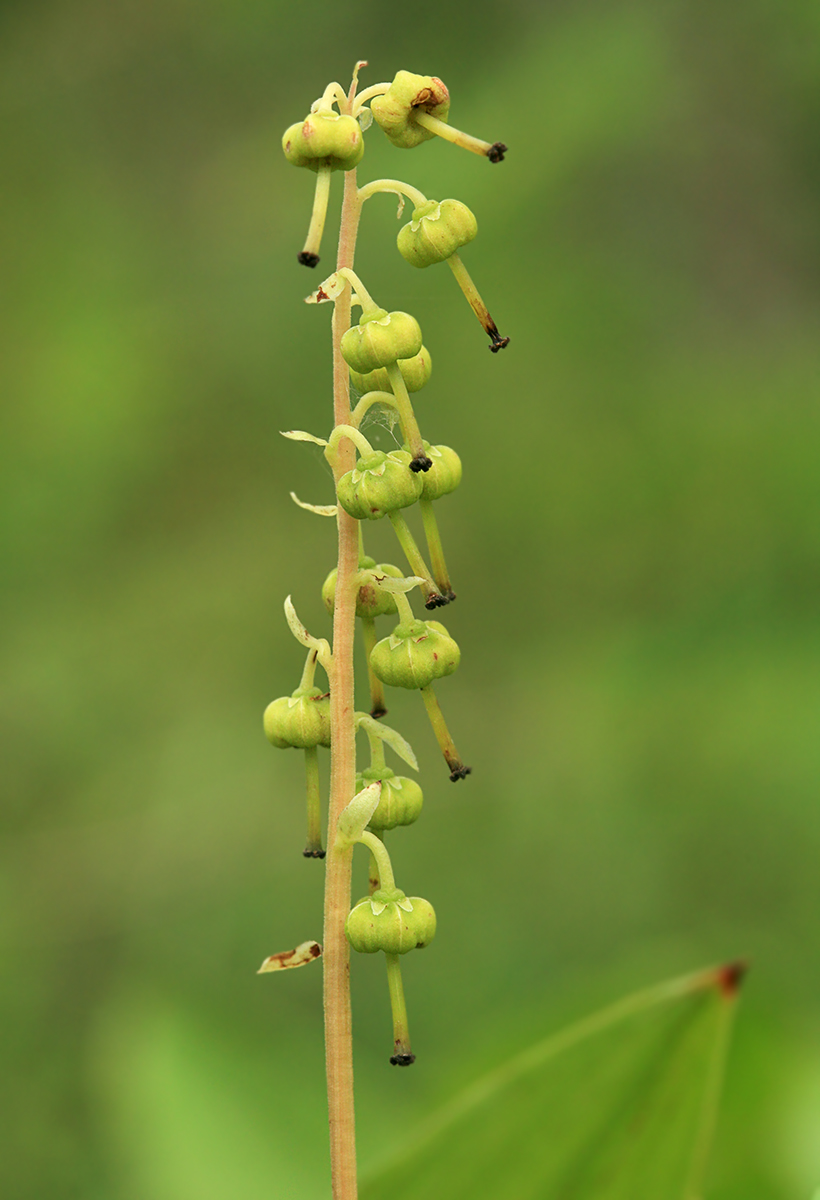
point(619, 1106)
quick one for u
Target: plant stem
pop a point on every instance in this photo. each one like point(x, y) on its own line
point(402, 1055)
point(313, 847)
point(378, 703)
point(497, 342)
point(336, 952)
point(409, 424)
point(385, 868)
point(446, 743)
point(432, 599)
point(434, 546)
point(394, 187)
point(310, 251)
point(495, 151)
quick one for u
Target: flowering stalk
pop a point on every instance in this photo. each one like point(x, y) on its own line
point(384, 355)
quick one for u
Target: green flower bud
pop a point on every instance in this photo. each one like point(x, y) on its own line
point(401, 798)
point(324, 139)
point(301, 720)
point(414, 655)
point(372, 600)
point(390, 921)
point(394, 111)
point(415, 372)
point(380, 339)
point(379, 483)
point(444, 475)
point(437, 230)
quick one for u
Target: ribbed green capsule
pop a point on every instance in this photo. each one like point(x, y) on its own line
point(444, 475)
point(324, 139)
point(372, 600)
point(392, 922)
point(301, 721)
point(380, 339)
point(408, 93)
point(437, 229)
point(415, 372)
point(414, 655)
point(379, 483)
point(401, 798)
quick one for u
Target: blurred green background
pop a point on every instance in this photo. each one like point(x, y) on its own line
point(635, 548)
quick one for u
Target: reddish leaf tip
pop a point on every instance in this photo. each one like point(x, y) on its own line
point(729, 977)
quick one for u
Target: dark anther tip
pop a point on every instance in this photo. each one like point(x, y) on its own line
point(435, 601)
point(498, 344)
point(421, 463)
point(460, 773)
point(402, 1060)
point(451, 596)
point(313, 853)
point(496, 152)
point(307, 259)
point(378, 712)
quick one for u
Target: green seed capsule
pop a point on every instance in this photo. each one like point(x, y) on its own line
point(414, 655)
point(380, 339)
point(392, 922)
point(372, 600)
point(401, 798)
point(324, 139)
point(437, 230)
point(415, 372)
point(408, 93)
point(444, 475)
point(379, 483)
point(301, 720)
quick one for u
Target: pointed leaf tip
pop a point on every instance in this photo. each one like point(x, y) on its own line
point(729, 977)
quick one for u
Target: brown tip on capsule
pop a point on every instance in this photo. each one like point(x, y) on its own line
point(421, 463)
point(460, 773)
point(376, 713)
point(310, 853)
point(496, 152)
point(730, 977)
point(307, 259)
point(402, 1060)
point(436, 601)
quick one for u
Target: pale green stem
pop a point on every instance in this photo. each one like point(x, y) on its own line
point(309, 670)
point(405, 611)
point(363, 296)
point(309, 255)
point(402, 1055)
point(409, 425)
point(376, 751)
point(379, 851)
point(492, 150)
point(373, 881)
point(375, 89)
point(497, 342)
point(391, 187)
point(342, 431)
point(313, 848)
point(366, 403)
point(446, 743)
point(378, 702)
point(434, 546)
point(334, 93)
point(336, 950)
point(432, 597)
